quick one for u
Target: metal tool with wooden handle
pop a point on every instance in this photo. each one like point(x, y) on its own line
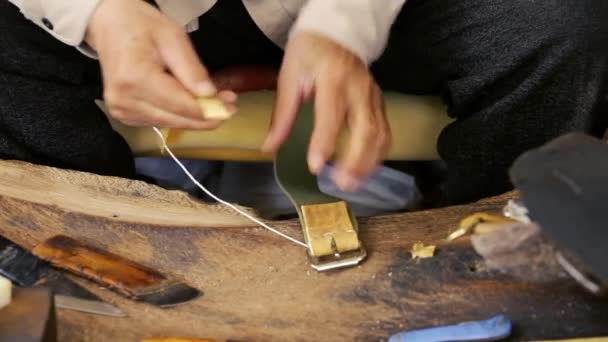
point(26, 270)
point(123, 276)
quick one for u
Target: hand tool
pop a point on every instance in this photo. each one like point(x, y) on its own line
point(26, 270)
point(123, 276)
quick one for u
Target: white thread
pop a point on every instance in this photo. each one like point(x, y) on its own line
point(247, 215)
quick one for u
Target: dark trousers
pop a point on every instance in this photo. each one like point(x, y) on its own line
point(514, 73)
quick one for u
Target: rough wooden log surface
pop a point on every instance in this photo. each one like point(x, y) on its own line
point(259, 287)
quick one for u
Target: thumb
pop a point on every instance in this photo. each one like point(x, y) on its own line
point(184, 63)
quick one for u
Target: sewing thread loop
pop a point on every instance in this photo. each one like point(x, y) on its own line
point(228, 204)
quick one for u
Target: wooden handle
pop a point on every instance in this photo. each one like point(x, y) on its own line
point(124, 276)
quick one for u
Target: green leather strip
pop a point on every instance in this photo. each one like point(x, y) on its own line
point(293, 175)
point(291, 166)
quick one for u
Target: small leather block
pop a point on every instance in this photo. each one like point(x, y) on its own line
point(564, 185)
point(213, 108)
point(123, 276)
point(30, 317)
point(329, 228)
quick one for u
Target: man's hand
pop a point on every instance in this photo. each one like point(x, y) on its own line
point(150, 70)
point(345, 94)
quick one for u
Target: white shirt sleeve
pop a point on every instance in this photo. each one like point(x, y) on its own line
point(66, 20)
point(362, 26)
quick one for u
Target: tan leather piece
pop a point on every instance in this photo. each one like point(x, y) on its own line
point(329, 229)
point(213, 108)
point(416, 122)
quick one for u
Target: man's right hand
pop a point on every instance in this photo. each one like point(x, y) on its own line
point(151, 72)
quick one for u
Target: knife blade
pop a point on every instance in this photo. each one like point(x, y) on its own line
point(26, 270)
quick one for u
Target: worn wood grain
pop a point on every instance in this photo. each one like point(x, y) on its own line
point(259, 287)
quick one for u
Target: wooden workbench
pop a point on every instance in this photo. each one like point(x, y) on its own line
point(259, 287)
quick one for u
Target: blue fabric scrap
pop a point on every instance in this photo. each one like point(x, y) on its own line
point(492, 329)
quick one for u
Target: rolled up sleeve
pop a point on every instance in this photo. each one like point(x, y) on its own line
point(66, 20)
point(362, 26)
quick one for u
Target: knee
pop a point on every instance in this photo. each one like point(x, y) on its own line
point(580, 25)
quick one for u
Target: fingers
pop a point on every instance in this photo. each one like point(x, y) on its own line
point(151, 73)
point(369, 138)
point(126, 92)
point(330, 110)
point(228, 96)
point(166, 93)
point(230, 100)
point(148, 96)
point(143, 114)
point(183, 62)
point(285, 110)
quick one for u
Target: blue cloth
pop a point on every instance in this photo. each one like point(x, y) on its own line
point(492, 329)
point(167, 174)
point(386, 191)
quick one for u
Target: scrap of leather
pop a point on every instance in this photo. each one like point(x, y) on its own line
point(123, 276)
point(420, 251)
point(329, 228)
point(213, 108)
point(471, 223)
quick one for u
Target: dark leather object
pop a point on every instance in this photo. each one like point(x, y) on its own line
point(564, 185)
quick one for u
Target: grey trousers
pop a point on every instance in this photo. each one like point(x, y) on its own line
point(514, 73)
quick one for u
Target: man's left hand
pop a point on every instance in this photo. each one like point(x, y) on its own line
point(345, 94)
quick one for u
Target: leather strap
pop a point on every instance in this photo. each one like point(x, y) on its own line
point(329, 226)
